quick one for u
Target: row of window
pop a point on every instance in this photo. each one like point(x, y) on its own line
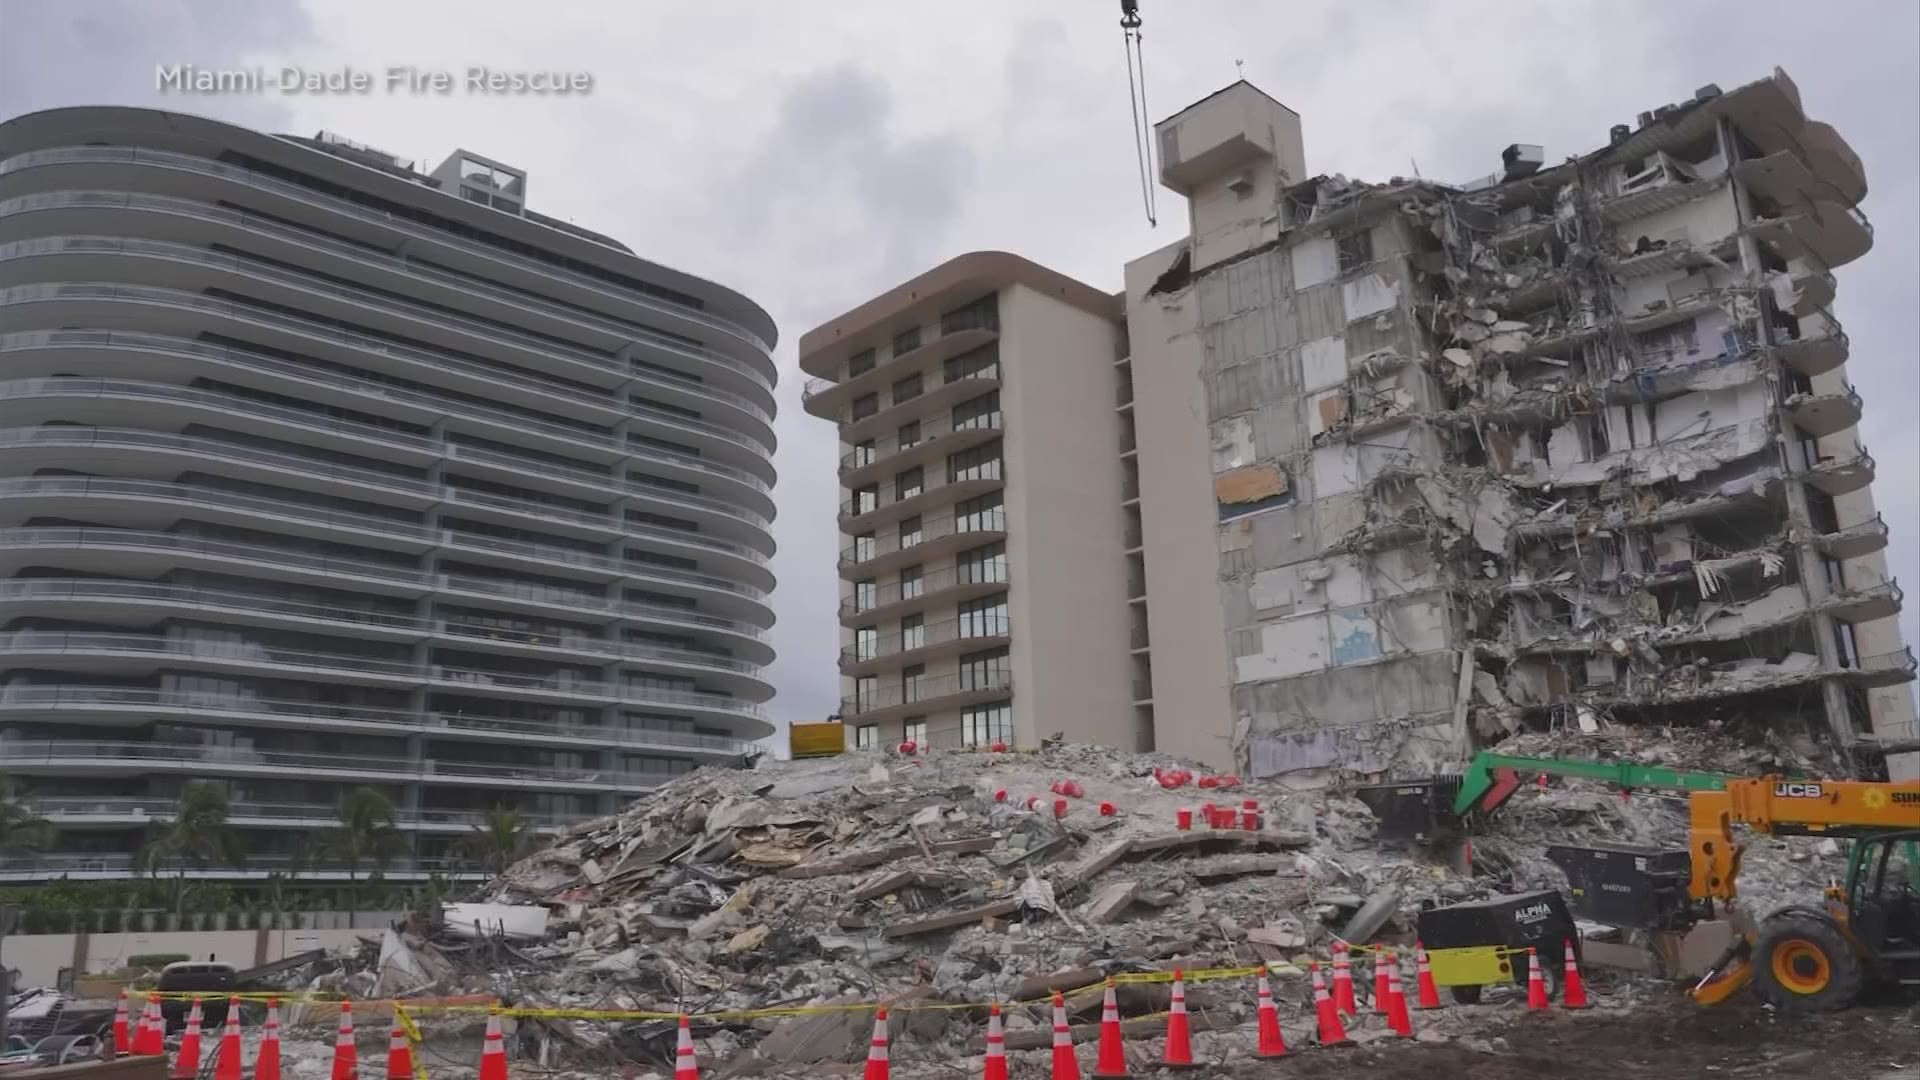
point(985, 565)
point(981, 363)
point(981, 413)
point(980, 725)
point(984, 670)
point(980, 463)
point(986, 617)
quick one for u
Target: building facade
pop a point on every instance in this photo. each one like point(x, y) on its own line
point(1565, 446)
point(318, 472)
point(987, 509)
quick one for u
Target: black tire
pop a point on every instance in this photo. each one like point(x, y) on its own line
point(1464, 995)
point(1802, 961)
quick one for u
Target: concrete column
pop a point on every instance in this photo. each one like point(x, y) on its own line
point(1813, 571)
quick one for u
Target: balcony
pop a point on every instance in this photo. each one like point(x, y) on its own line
point(95, 759)
point(119, 158)
point(1885, 669)
point(109, 706)
point(148, 653)
point(1821, 346)
point(1854, 540)
point(1816, 220)
point(120, 811)
point(931, 402)
point(939, 536)
point(928, 695)
point(942, 587)
point(863, 516)
point(938, 438)
point(828, 397)
point(932, 640)
point(1838, 474)
point(1820, 415)
point(1866, 603)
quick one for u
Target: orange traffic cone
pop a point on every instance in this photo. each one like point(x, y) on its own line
point(1113, 1053)
point(1179, 1053)
point(186, 1064)
point(399, 1055)
point(1343, 981)
point(1536, 984)
point(266, 1064)
point(685, 1067)
point(122, 1038)
point(227, 1065)
point(878, 1068)
point(493, 1052)
point(1332, 1032)
point(1271, 1043)
point(1066, 1065)
point(1397, 1016)
point(1380, 981)
point(150, 1037)
point(346, 1057)
point(1573, 989)
point(996, 1047)
point(1423, 976)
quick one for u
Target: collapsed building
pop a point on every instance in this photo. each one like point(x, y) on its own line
point(1565, 447)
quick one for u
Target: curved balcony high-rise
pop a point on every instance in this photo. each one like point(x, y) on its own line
point(318, 471)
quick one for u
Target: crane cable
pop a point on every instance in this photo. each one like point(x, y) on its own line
point(1137, 102)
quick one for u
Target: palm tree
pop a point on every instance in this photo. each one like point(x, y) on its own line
point(20, 828)
point(500, 840)
point(198, 836)
point(366, 833)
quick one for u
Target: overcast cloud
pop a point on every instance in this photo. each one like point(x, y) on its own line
point(813, 155)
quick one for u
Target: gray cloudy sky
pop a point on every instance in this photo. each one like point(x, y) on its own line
point(814, 154)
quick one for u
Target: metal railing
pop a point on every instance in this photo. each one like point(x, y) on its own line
point(925, 585)
point(984, 629)
point(925, 690)
point(242, 811)
point(986, 521)
point(82, 698)
point(929, 491)
point(298, 193)
point(62, 642)
point(1902, 660)
point(25, 752)
point(931, 429)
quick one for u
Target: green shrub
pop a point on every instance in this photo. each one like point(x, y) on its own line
point(155, 961)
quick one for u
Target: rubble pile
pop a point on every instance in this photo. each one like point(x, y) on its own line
point(898, 878)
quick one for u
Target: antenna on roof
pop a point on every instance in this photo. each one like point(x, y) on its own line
point(1137, 102)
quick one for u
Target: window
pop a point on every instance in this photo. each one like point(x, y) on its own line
point(981, 514)
point(983, 725)
point(866, 499)
point(980, 363)
point(913, 633)
point(979, 463)
point(985, 617)
point(865, 405)
point(985, 670)
point(864, 453)
point(906, 341)
point(866, 692)
point(981, 314)
point(907, 389)
point(908, 484)
point(866, 643)
point(914, 730)
point(983, 565)
point(913, 682)
point(1354, 249)
point(860, 363)
point(911, 585)
point(864, 547)
point(865, 593)
point(866, 736)
point(982, 412)
point(909, 436)
point(910, 532)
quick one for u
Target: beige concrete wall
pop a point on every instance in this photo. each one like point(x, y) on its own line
point(40, 957)
point(1193, 714)
point(1068, 604)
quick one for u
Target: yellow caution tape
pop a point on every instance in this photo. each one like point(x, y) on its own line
point(405, 1010)
point(412, 1030)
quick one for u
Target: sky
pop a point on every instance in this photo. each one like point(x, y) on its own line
point(813, 155)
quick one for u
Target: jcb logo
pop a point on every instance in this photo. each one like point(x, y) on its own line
point(1792, 790)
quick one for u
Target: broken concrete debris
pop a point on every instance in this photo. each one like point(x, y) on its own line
point(866, 878)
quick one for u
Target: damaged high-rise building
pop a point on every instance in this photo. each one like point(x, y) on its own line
point(1421, 464)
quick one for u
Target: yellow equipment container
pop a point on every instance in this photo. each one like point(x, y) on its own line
point(816, 740)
